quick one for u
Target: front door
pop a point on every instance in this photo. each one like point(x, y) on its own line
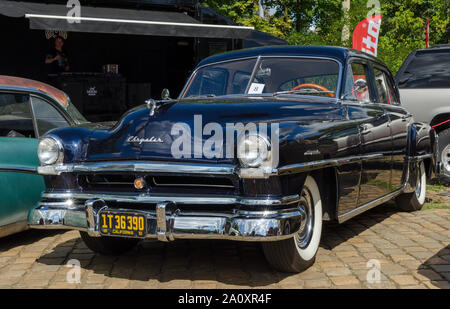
point(376, 147)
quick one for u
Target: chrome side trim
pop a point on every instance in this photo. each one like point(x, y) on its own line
point(13, 228)
point(179, 199)
point(18, 169)
point(348, 215)
point(419, 158)
point(302, 167)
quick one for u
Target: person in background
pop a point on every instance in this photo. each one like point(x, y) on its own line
point(56, 59)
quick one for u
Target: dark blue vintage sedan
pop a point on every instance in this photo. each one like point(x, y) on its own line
point(261, 145)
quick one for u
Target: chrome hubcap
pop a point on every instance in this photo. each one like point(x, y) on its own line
point(446, 159)
point(305, 205)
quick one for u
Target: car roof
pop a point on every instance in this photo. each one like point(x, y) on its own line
point(337, 53)
point(28, 85)
point(439, 46)
point(433, 49)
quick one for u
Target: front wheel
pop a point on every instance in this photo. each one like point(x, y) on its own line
point(298, 253)
point(108, 245)
point(415, 201)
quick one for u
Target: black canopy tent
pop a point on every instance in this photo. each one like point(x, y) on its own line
point(154, 49)
point(119, 21)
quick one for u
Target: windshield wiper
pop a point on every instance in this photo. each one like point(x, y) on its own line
point(201, 96)
point(302, 91)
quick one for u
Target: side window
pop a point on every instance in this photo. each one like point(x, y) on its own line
point(357, 72)
point(47, 117)
point(428, 68)
point(210, 81)
point(385, 88)
point(393, 97)
point(221, 79)
point(15, 116)
point(381, 85)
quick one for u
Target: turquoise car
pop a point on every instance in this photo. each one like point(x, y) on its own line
point(28, 109)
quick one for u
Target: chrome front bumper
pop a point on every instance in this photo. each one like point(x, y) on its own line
point(167, 222)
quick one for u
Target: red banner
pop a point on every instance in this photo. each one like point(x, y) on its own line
point(365, 36)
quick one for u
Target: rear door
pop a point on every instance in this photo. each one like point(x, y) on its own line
point(400, 120)
point(20, 187)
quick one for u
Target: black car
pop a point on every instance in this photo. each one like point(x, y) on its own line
point(261, 145)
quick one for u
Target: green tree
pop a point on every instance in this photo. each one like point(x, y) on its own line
point(321, 24)
point(403, 28)
point(310, 22)
point(245, 12)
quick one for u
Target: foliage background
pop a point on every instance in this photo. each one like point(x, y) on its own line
point(320, 22)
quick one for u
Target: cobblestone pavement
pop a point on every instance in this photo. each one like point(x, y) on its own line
point(412, 249)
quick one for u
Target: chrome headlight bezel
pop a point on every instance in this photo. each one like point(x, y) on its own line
point(54, 150)
point(260, 150)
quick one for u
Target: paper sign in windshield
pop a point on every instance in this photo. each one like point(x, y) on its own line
point(256, 88)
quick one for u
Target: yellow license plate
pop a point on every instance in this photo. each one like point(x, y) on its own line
point(123, 224)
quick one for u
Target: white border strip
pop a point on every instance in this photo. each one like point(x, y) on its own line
point(145, 22)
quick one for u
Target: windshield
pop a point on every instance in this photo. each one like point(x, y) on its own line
point(74, 113)
point(271, 75)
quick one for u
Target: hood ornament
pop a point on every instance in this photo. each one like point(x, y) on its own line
point(152, 106)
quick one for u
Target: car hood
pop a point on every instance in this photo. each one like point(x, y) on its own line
point(142, 136)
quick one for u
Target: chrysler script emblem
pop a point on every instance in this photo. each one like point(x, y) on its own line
point(140, 141)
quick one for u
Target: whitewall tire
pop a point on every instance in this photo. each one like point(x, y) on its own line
point(415, 201)
point(299, 252)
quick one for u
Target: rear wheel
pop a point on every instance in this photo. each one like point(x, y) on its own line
point(415, 201)
point(299, 252)
point(444, 154)
point(108, 245)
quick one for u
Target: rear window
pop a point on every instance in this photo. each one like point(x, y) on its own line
point(427, 69)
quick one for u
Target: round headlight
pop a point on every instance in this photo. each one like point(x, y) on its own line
point(252, 150)
point(49, 151)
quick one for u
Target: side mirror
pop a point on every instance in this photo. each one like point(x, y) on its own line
point(165, 94)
